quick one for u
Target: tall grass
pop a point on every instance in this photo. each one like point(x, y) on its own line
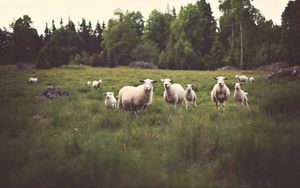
point(76, 141)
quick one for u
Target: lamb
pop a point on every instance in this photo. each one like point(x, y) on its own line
point(239, 95)
point(110, 100)
point(241, 78)
point(89, 83)
point(174, 93)
point(135, 98)
point(33, 80)
point(220, 92)
point(190, 95)
point(251, 79)
point(96, 83)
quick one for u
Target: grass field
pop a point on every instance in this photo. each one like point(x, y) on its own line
point(164, 147)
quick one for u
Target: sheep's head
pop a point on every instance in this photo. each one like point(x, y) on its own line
point(167, 83)
point(148, 84)
point(189, 87)
point(100, 81)
point(220, 80)
point(237, 86)
point(108, 95)
point(236, 76)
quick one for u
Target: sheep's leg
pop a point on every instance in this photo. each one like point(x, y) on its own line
point(223, 105)
point(247, 104)
point(186, 105)
point(195, 103)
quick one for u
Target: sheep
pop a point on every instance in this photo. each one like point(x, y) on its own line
point(251, 79)
point(241, 78)
point(240, 96)
point(96, 83)
point(33, 80)
point(89, 83)
point(135, 98)
point(220, 92)
point(174, 93)
point(190, 95)
point(110, 100)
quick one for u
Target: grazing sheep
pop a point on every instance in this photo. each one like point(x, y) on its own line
point(220, 92)
point(110, 100)
point(241, 78)
point(96, 83)
point(89, 83)
point(240, 96)
point(33, 80)
point(251, 79)
point(190, 95)
point(174, 93)
point(135, 98)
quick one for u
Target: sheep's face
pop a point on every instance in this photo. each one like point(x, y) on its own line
point(237, 86)
point(220, 80)
point(108, 95)
point(189, 87)
point(166, 83)
point(148, 84)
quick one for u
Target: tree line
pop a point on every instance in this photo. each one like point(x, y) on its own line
point(191, 39)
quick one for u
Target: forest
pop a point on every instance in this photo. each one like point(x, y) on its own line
point(191, 39)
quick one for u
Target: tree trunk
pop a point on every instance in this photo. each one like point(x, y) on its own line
point(242, 47)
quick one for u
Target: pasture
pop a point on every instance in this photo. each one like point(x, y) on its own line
point(163, 147)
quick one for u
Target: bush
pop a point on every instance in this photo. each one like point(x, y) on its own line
point(98, 60)
point(82, 58)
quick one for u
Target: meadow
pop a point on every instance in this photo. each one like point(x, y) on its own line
point(163, 147)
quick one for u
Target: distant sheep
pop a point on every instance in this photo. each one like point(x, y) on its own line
point(190, 95)
point(89, 83)
point(96, 83)
point(251, 79)
point(110, 100)
point(135, 98)
point(241, 78)
point(240, 96)
point(33, 80)
point(174, 93)
point(220, 92)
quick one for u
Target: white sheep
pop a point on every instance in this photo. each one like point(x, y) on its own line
point(240, 96)
point(89, 83)
point(96, 83)
point(220, 92)
point(33, 80)
point(132, 98)
point(251, 79)
point(190, 95)
point(110, 100)
point(174, 93)
point(241, 78)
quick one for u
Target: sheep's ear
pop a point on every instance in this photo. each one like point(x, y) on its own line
point(104, 94)
point(241, 83)
point(153, 81)
point(171, 81)
point(162, 80)
point(225, 78)
point(142, 81)
point(215, 78)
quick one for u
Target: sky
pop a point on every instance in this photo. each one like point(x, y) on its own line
point(42, 11)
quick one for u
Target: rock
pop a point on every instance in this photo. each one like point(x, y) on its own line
point(51, 92)
point(282, 69)
point(143, 65)
point(228, 67)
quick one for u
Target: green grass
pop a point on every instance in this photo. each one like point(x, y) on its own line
point(164, 147)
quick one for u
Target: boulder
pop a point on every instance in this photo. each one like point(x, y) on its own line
point(143, 65)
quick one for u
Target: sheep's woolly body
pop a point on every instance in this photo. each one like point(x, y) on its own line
point(190, 96)
point(219, 95)
point(134, 98)
point(241, 78)
point(96, 83)
point(240, 97)
point(175, 94)
point(110, 100)
point(33, 80)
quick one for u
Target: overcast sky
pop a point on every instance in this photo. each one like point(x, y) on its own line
point(42, 11)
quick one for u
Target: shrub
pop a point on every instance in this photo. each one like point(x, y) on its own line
point(98, 60)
